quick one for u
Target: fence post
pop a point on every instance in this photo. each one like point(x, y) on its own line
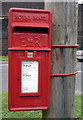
point(63, 59)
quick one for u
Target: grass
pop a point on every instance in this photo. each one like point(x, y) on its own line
point(77, 108)
point(3, 58)
point(0, 107)
point(17, 114)
point(33, 114)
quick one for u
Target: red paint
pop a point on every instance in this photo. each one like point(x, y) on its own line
point(30, 48)
point(64, 74)
point(64, 45)
point(29, 30)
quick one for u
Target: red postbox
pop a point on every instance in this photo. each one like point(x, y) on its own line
point(29, 46)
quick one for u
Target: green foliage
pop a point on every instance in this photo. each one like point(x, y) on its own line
point(3, 58)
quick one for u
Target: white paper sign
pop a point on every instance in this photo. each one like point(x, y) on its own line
point(29, 76)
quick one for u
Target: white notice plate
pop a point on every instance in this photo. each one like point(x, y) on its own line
point(29, 76)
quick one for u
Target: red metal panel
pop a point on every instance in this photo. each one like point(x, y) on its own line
point(30, 40)
point(29, 30)
point(44, 83)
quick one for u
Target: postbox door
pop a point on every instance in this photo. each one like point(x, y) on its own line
point(31, 91)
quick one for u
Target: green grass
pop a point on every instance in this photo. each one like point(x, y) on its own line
point(77, 107)
point(33, 114)
point(17, 114)
point(82, 106)
point(0, 106)
point(3, 58)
